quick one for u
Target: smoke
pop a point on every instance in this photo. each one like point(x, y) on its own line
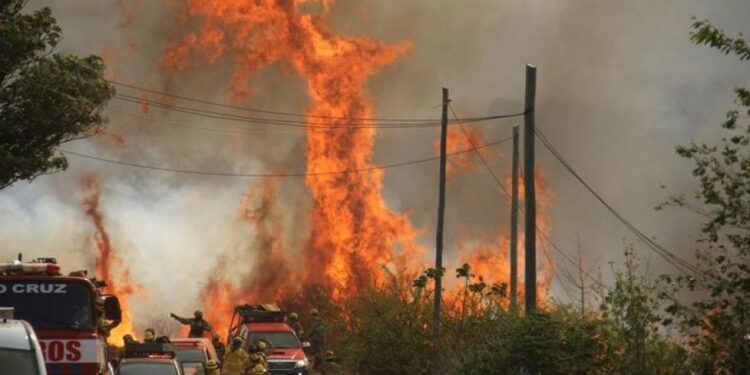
point(619, 86)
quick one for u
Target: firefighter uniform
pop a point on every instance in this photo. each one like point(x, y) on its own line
point(317, 338)
point(235, 361)
point(197, 325)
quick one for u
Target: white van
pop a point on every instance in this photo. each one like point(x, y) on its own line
point(20, 353)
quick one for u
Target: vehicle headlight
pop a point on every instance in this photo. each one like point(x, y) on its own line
point(302, 363)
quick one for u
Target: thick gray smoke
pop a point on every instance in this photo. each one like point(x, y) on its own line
point(619, 85)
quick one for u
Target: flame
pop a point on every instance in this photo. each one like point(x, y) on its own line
point(489, 257)
point(353, 232)
point(457, 141)
point(274, 277)
point(109, 266)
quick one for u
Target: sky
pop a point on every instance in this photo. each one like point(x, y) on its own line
point(619, 86)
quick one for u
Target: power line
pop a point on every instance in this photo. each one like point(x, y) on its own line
point(479, 154)
point(265, 111)
point(278, 175)
point(295, 123)
point(204, 128)
point(435, 122)
point(680, 264)
point(504, 190)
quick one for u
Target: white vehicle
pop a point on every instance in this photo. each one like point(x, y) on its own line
point(20, 353)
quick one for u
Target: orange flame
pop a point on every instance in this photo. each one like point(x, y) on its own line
point(353, 232)
point(458, 141)
point(275, 276)
point(107, 260)
point(490, 258)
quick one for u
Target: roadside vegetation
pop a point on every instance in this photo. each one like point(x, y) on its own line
point(696, 322)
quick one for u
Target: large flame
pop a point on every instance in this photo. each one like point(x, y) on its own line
point(353, 232)
point(109, 266)
point(489, 257)
point(274, 275)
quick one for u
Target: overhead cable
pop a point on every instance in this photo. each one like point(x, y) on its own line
point(275, 175)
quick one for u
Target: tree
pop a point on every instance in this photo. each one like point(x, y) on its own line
point(46, 98)
point(631, 311)
point(717, 324)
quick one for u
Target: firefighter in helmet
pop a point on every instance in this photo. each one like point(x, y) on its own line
point(149, 335)
point(258, 354)
point(235, 360)
point(257, 370)
point(317, 338)
point(197, 324)
point(212, 367)
point(218, 345)
point(295, 324)
point(104, 326)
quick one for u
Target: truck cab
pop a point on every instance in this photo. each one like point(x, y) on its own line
point(61, 310)
point(20, 353)
point(267, 322)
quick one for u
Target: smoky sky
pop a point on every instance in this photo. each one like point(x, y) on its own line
point(619, 86)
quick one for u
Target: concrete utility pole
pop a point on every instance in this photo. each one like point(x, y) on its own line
point(440, 218)
point(514, 224)
point(529, 188)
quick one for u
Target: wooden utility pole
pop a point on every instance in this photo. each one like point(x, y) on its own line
point(529, 188)
point(514, 224)
point(440, 219)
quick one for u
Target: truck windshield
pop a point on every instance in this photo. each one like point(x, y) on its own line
point(49, 305)
point(279, 340)
point(19, 362)
point(147, 368)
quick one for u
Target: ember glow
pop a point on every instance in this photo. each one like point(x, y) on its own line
point(109, 266)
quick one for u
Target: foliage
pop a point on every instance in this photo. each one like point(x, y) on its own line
point(718, 323)
point(631, 310)
point(46, 98)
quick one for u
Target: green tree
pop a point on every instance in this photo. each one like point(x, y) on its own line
point(46, 98)
point(632, 312)
point(717, 324)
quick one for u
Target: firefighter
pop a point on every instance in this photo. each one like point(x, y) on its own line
point(236, 359)
point(149, 335)
point(212, 367)
point(105, 327)
point(197, 325)
point(295, 324)
point(258, 354)
point(317, 338)
point(127, 339)
point(218, 345)
point(257, 370)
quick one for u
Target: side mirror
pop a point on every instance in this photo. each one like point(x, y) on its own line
point(306, 344)
point(112, 309)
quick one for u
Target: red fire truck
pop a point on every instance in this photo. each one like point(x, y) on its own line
point(62, 311)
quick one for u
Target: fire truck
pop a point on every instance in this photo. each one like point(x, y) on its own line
point(267, 322)
point(62, 310)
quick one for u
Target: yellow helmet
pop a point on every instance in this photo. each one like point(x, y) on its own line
point(293, 316)
point(149, 335)
point(212, 364)
point(314, 312)
point(262, 345)
point(259, 369)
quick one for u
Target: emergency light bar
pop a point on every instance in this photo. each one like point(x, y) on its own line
point(16, 267)
point(150, 350)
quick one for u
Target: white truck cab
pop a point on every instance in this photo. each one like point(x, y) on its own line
point(20, 353)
